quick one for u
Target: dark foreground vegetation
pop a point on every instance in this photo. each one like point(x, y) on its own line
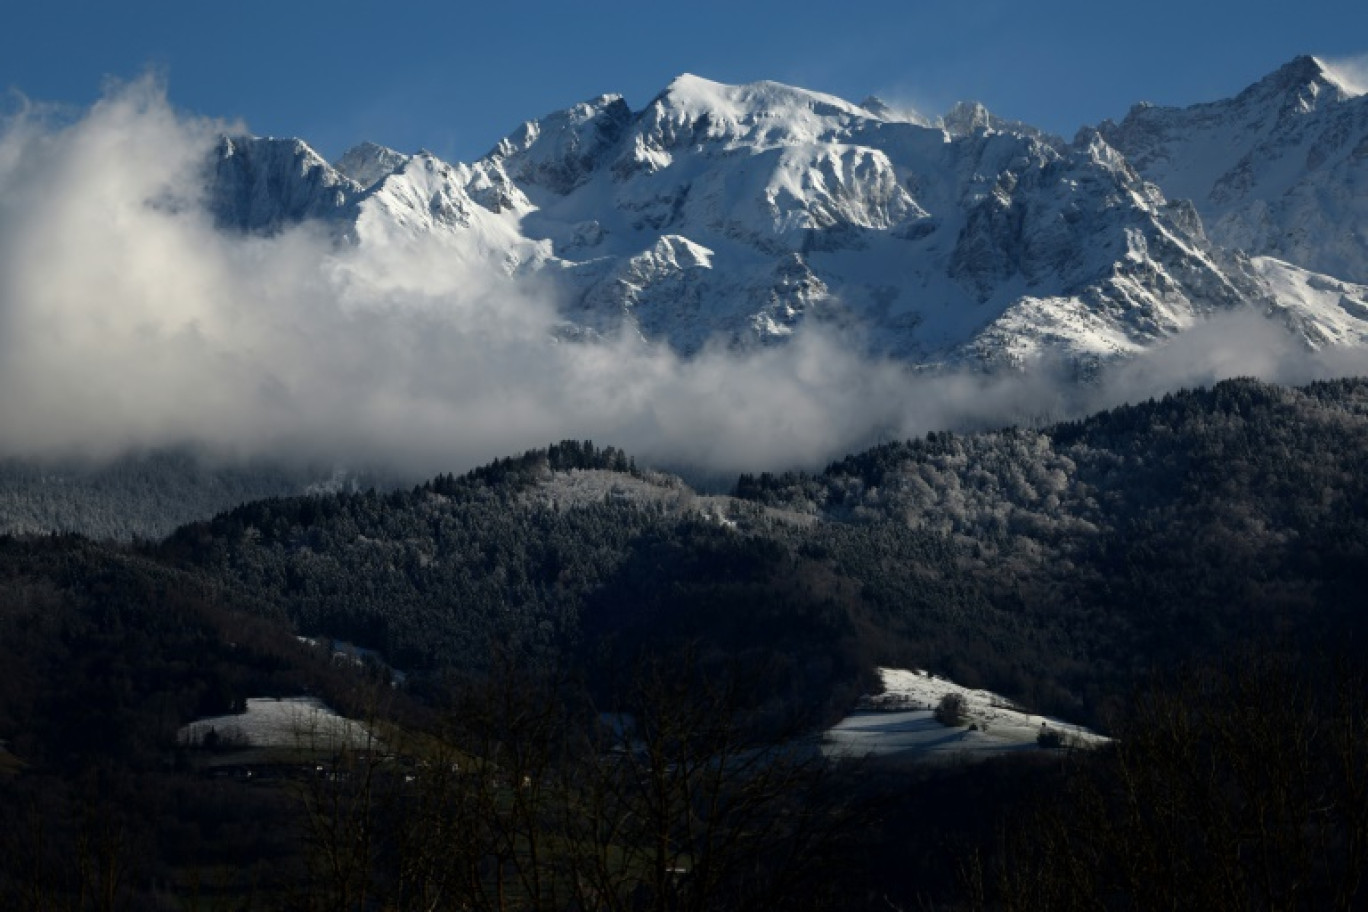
point(1243, 786)
point(610, 702)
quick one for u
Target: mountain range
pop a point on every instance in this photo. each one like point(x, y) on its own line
point(739, 215)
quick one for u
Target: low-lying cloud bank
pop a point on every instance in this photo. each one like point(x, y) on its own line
point(127, 321)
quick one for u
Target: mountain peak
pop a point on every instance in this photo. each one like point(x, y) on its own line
point(1304, 81)
point(1300, 69)
point(369, 163)
point(260, 184)
point(690, 92)
point(559, 151)
point(759, 115)
point(896, 113)
point(968, 117)
point(690, 82)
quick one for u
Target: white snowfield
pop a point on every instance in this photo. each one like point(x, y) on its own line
point(900, 722)
point(297, 723)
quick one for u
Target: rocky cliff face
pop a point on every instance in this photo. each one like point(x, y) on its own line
point(260, 185)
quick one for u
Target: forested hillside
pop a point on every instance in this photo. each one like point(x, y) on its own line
point(1056, 565)
point(146, 494)
point(1102, 548)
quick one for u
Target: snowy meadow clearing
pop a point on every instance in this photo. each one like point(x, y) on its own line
point(301, 723)
point(901, 722)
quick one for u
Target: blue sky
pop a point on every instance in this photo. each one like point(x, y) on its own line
point(455, 77)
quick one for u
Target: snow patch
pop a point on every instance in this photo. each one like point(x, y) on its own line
point(900, 722)
point(302, 723)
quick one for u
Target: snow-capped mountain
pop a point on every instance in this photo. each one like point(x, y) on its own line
point(742, 213)
point(1280, 170)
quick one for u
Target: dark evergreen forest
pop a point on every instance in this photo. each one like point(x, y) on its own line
point(1163, 567)
point(1057, 566)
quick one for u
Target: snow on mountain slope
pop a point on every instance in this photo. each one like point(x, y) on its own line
point(1324, 310)
point(1279, 170)
point(426, 198)
point(741, 214)
point(816, 210)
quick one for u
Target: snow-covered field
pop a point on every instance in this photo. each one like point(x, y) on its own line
point(302, 723)
point(901, 721)
point(580, 487)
